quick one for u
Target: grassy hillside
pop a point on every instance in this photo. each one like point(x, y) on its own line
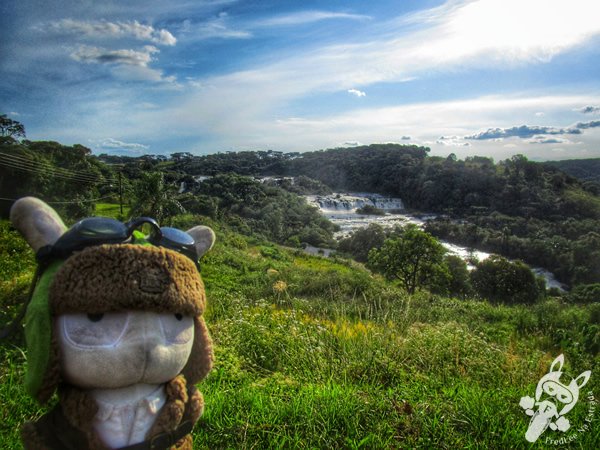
point(317, 353)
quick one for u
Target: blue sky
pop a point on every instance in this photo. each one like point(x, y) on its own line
point(484, 77)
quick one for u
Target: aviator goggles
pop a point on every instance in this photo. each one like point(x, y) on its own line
point(103, 230)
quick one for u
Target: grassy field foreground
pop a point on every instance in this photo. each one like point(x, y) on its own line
point(317, 353)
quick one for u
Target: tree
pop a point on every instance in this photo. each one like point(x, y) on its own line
point(154, 198)
point(362, 241)
point(500, 280)
point(460, 284)
point(414, 258)
point(11, 128)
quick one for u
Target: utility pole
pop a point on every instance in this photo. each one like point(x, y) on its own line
point(121, 191)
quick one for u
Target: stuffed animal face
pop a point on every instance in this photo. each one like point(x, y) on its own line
point(117, 349)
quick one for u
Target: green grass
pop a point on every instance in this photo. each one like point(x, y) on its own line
point(317, 353)
point(112, 210)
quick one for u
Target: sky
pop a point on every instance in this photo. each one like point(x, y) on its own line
point(471, 77)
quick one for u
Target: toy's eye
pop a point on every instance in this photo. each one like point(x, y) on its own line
point(564, 397)
point(95, 317)
point(550, 389)
point(90, 330)
point(177, 328)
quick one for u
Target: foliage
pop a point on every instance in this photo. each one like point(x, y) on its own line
point(256, 208)
point(585, 293)
point(154, 198)
point(459, 283)
point(301, 185)
point(414, 258)
point(68, 177)
point(570, 248)
point(15, 254)
point(370, 210)
point(11, 128)
point(360, 242)
point(584, 169)
point(336, 358)
point(514, 207)
point(500, 280)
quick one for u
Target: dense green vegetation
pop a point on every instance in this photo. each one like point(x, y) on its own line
point(417, 260)
point(412, 257)
point(317, 353)
point(518, 208)
point(584, 169)
point(323, 353)
point(70, 177)
point(72, 181)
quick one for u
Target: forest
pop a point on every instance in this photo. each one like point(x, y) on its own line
point(388, 343)
point(516, 208)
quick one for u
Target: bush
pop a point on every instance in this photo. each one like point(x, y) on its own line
point(585, 293)
point(500, 280)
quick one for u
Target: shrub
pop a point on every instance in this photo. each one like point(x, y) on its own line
point(500, 280)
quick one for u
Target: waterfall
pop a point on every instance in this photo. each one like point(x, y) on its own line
point(348, 203)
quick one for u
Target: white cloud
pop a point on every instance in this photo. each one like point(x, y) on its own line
point(448, 41)
point(216, 28)
point(114, 144)
point(304, 17)
point(126, 64)
point(452, 141)
point(357, 92)
point(589, 110)
point(105, 29)
point(98, 55)
point(547, 140)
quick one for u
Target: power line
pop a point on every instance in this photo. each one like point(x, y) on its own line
point(18, 161)
point(28, 167)
point(32, 166)
point(46, 165)
point(37, 171)
point(63, 202)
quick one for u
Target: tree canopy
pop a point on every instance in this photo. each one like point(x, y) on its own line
point(414, 258)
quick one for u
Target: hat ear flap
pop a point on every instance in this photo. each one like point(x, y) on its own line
point(204, 238)
point(51, 377)
point(43, 370)
point(201, 357)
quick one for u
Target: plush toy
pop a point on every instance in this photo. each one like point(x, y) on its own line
point(115, 328)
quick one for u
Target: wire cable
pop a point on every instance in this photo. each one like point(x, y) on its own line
point(45, 165)
point(40, 171)
point(18, 161)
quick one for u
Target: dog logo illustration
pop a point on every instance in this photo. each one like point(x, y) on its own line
point(553, 400)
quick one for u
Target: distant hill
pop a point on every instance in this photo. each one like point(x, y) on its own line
point(584, 169)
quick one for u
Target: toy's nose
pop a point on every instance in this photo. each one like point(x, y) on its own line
point(145, 329)
point(159, 329)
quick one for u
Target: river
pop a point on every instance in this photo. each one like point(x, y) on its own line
point(341, 208)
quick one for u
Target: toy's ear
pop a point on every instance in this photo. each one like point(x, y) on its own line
point(560, 360)
point(583, 378)
point(39, 224)
point(204, 237)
